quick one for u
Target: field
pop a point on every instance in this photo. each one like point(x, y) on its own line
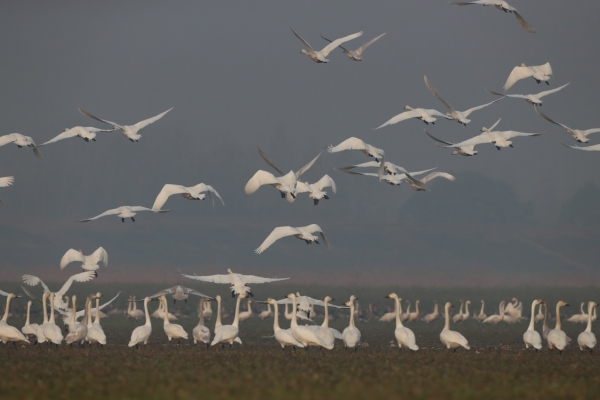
point(497, 366)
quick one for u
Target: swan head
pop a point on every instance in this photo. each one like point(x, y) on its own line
point(327, 299)
point(229, 270)
point(468, 302)
point(409, 108)
point(522, 65)
point(484, 129)
point(304, 52)
point(562, 304)
point(392, 296)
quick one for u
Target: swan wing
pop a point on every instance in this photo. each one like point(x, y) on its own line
point(523, 23)
point(547, 92)
point(196, 293)
point(586, 132)
point(211, 278)
point(436, 94)
point(302, 187)
point(436, 113)
point(326, 181)
point(259, 179)
point(70, 256)
point(470, 110)
point(100, 256)
point(80, 277)
point(588, 148)
point(6, 139)
point(278, 233)
point(167, 191)
point(33, 281)
point(28, 293)
point(467, 3)
point(7, 181)
point(140, 208)
point(259, 279)
point(310, 49)
point(517, 74)
point(148, 121)
point(362, 165)
point(340, 46)
point(362, 48)
point(264, 157)
point(210, 190)
point(517, 96)
point(541, 114)
point(329, 48)
point(512, 134)
point(114, 211)
point(87, 114)
point(495, 125)
point(101, 307)
point(3, 293)
point(479, 139)
point(306, 167)
point(438, 174)
point(438, 140)
point(96, 130)
point(401, 117)
point(65, 135)
point(348, 144)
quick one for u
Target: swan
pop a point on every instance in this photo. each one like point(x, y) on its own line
point(394, 179)
point(244, 315)
point(356, 55)
point(494, 319)
point(452, 339)
point(304, 334)
point(132, 311)
point(206, 310)
point(20, 141)
point(239, 283)
point(481, 316)
point(123, 212)
point(500, 5)
point(88, 263)
point(40, 338)
point(325, 333)
point(283, 336)
point(404, 335)
point(595, 147)
point(173, 331)
point(357, 144)
point(425, 115)
point(180, 293)
point(514, 308)
point(160, 313)
point(95, 332)
point(421, 184)
point(535, 99)
point(87, 133)
point(7, 181)
point(196, 192)
point(29, 330)
point(303, 233)
point(583, 317)
point(463, 150)
point(579, 135)
point(351, 335)
point(10, 333)
point(557, 338)
point(458, 116)
point(141, 334)
point(321, 56)
point(286, 313)
point(388, 167)
point(434, 315)
point(52, 332)
point(201, 333)
point(404, 316)
point(229, 333)
point(587, 339)
point(541, 73)
point(80, 277)
point(267, 313)
point(414, 315)
point(458, 317)
point(466, 315)
point(77, 330)
point(305, 305)
point(315, 190)
point(531, 337)
point(218, 325)
point(130, 131)
point(387, 317)
point(540, 315)
point(545, 328)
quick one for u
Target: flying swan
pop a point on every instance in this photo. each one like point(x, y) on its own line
point(535, 99)
point(20, 141)
point(190, 193)
point(315, 190)
point(356, 55)
point(88, 263)
point(357, 144)
point(87, 133)
point(5, 182)
point(123, 212)
point(320, 56)
point(541, 73)
point(578, 135)
point(303, 233)
point(238, 282)
point(500, 5)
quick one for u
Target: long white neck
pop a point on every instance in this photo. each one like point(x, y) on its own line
point(581, 308)
point(482, 305)
point(44, 307)
point(398, 312)
point(166, 312)
point(5, 317)
point(467, 310)
point(97, 320)
point(201, 308)
point(545, 326)
point(134, 304)
point(88, 312)
point(73, 311)
point(236, 318)
point(218, 320)
point(326, 320)
point(447, 325)
point(51, 308)
point(589, 324)
point(417, 307)
point(351, 325)
point(460, 311)
point(275, 317)
point(558, 325)
point(294, 323)
point(148, 323)
point(129, 306)
point(436, 309)
point(532, 322)
point(502, 310)
point(28, 311)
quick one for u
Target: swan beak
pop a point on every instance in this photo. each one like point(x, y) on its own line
point(356, 298)
point(567, 305)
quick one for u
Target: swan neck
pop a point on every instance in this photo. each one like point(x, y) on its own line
point(294, 320)
point(236, 319)
point(148, 323)
point(166, 312)
point(467, 309)
point(28, 311)
point(129, 305)
point(532, 322)
point(351, 315)
point(326, 320)
point(447, 324)
point(218, 321)
point(482, 305)
point(73, 311)
point(51, 308)
point(97, 320)
point(88, 312)
point(275, 317)
point(398, 312)
point(545, 326)
point(558, 325)
point(589, 323)
point(5, 317)
point(201, 308)
point(44, 297)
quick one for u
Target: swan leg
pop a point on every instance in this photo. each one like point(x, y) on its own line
point(207, 346)
point(547, 83)
point(316, 202)
point(282, 195)
point(137, 346)
point(132, 219)
point(123, 220)
point(179, 342)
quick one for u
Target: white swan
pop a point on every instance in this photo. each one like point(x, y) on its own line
point(541, 73)
point(218, 325)
point(5, 182)
point(579, 135)
point(458, 317)
point(130, 131)
point(88, 263)
point(40, 338)
point(357, 144)
point(315, 190)
point(29, 330)
point(514, 309)
point(303, 233)
point(421, 184)
point(206, 310)
point(404, 316)
point(321, 56)
point(87, 133)
point(244, 315)
point(425, 115)
point(393, 179)
point(388, 167)
point(481, 316)
point(229, 333)
point(159, 313)
point(141, 334)
point(434, 315)
point(535, 99)
point(557, 338)
point(52, 332)
point(80, 277)
point(304, 334)
point(123, 212)
point(95, 332)
point(500, 5)
point(494, 319)
point(531, 337)
point(238, 282)
point(20, 141)
point(356, 55)
point(579, 318)
point(77, 330)
point(404, 335)
point(415, 314)
point(10, 333)
point(452, 339)
point(196, 192)
point(180, 293)
point(458, 116)
point(173, 331)
point(325, 333)
point(540, 315)
point(351, 335)
point(587, 339)
point(283, 336)
point(387, 317)
point(463, 150)
point(267, 313)
point(132, 311)
point(201, 333)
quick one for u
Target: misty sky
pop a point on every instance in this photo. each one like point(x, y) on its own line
point(234, 74)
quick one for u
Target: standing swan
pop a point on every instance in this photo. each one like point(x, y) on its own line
point(29, 330)
point(244, 315)
point(77, 330)
point(557, 338)
point(51, 331)
point(404, 336)
point(531, 337)
point(327, 334)
point(452, 339)
point(414, 315)
point(587, 339)
point(434, 315)
point(228, 333)
point(95, 332)
point(173, 331)
point(545, 328)
point(304, 334)
point(494, 319)
point(458, 317)
point(351, 335)
point(481, 315)
point(10, 333)
point(218, 325)
point(141, 334)
point(201, 333)
point(283, 336)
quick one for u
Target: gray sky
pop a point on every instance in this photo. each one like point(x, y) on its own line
point(235, 75)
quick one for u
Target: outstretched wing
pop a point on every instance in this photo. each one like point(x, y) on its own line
point(588, 148)
point(211, 278)
point(37, 152)
point(278, 233)
point(438, 174)
point(6, 139)
point(100, 256)
point(33, 281)
point(302, 187)
point(306, 167)
point(340, 46)
point(264, 157)
point(65, 135)
point(316, 228)
point(329, 48)
point(80, 277)
point(259, 279)
point(148, 121)
point(196, 293)
point(209, 189)
point(470, 110)
point(87, 114)
point(401, 117)
point(523, 23)
point(467, 3)
point(436, 94)
point(310, 49)
point(114, 211)
point(547, 92)
point(3, 293)
point(479, 139)
point(140, 208)
point(7, 181)
point(259, 179)
point(162, 293)
point(348, 144)
point(167, 191)
point(512, 134)
point(362, 48)
point(70, 256)
point(541, 114)
point(517, 74)
point(326, 181)
point(436, 139)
